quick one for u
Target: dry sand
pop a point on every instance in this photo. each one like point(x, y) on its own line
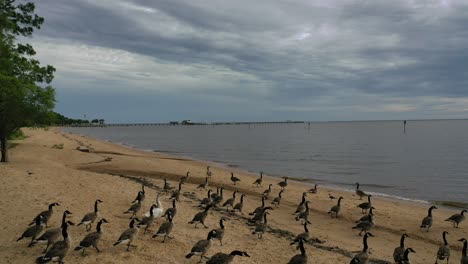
point(75, 179)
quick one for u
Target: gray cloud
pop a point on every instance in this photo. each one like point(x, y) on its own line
point(296, 52)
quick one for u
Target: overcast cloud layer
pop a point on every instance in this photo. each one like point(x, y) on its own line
point(161, 60)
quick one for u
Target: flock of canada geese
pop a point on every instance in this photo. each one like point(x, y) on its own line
point(58, 243)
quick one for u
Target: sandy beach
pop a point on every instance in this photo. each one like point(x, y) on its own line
point(114, 174)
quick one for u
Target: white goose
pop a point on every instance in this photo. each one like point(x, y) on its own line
point(158, 211)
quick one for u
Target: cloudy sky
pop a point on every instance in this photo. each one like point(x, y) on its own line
point(161, 60)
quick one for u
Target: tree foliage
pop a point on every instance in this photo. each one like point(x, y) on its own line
point(26, 98)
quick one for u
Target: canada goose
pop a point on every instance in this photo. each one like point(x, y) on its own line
point(456, 219)
point(365, 206)
point(202, 246)
point(159, 209)
point(208, 172)
point(359, 192)
point(166, 228)
point(427, 221)
point(172, 211)
point(222, 258)
point(175, 195)
point(258, 181)
point(141, 195)
point(220, 231)
point(363, 256)
point(302, 236)
point(167, 186)
point(206, 201)
point(260, 208)
point(299, 258)
point(89, 218)
point(219, 199)
point(367, 217)
point(33, 231)
point(59, 249)
point(313, 190)
point(261, 227)
point(184, 178)
point(92, 239)
point(230, 201)
point(444, 250)
point(336, 209)
point(234, 179)
point(276, 202)
point(405, 258)
point(239, 205)
point(284, 183)
point(46, 215)
point(304, 215)
point(267, 192)
point(52, 235)
point(301, 206)
point(134, 209)
point(203, 185)
point(399, 252)
point(464, 258)
point(200, 217)
point(129, 235)
point(365, 226)
point(259, 215)
point(147, 221)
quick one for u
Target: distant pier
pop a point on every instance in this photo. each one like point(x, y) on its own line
point(187, 124)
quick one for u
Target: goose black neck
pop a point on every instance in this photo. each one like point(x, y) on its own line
point(242, 199)
point(64, 219)
point(429, 213)
point(221, 224)
point(65, 231)
point(339, 201)
point(173, 204)
point(368, 199)
point(280, 193)
point(463, 212)
point(132, 223)
point(234, 195)
point(303, 198)
point(143, 188)
point(364, 240)
point(465, 245)
point(151, 211)
point(263, 201)
point(357, 186)
point(301, 247)
point(261, 175)
point(180, 186)
point(305, 227)
point(402, 241)
point(236, 253)
point(96, 207)
point(98, 227)
point(209, 193)
point(445, 239)
point(406, 255)
point(51, 206)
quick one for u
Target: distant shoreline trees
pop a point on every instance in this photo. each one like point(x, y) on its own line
point(26, 97)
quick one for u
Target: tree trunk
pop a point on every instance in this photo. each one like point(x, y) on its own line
point(3, 146)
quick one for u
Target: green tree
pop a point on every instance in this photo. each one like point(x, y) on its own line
point(25, 95)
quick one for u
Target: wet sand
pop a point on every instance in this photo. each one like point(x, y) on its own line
point(113, 174)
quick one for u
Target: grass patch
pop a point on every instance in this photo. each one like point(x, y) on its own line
point(451, 204)
point(17, 135)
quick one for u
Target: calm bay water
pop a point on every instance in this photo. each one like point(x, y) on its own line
point(429, 162)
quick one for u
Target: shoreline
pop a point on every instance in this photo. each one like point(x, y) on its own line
point(114, 173)
point(309, 183)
